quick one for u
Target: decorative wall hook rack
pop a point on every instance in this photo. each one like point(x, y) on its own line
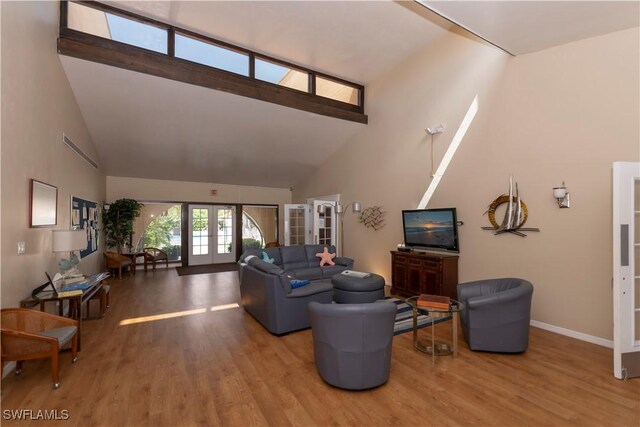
point(373, 217)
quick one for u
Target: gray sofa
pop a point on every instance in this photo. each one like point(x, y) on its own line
point(497, 314)
point(265, 289)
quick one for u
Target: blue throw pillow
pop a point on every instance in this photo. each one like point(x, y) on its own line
point(299, 283)
point(266, 258)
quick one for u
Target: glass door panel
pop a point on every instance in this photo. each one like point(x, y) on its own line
point(159, 226)
point(325, 226)
point(259, 226)
point(200, 236)
point(224, 232)
point(200, 221)
point(211, 234)
point(296, 224)
point(324, 222)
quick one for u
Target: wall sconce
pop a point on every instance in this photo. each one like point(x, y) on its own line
point(437, 130)
point(562, 196)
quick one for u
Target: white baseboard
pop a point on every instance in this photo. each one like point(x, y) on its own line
point(573, 334)
point(8, 368)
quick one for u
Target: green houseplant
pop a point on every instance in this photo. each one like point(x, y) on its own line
point(118, 220)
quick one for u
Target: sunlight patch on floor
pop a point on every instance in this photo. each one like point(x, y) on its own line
point(225, 306)
point(175, 314)
point(451, 151)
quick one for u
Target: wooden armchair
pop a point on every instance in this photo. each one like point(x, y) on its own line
point(116, 261)
point(154, 255)
point(29, 334)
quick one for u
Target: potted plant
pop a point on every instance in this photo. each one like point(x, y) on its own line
point(117, 221)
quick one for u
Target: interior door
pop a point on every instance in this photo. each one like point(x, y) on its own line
point(297, 230)
point(324, 224)
point(626, 269)
point(211, 234)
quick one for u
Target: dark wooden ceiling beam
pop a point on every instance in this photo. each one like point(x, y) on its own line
point(97, 49)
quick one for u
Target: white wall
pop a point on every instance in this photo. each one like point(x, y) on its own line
point(37, 107)
point(564, 113)
point(183, 191)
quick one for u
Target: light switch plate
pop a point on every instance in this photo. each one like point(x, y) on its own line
point(22, 247)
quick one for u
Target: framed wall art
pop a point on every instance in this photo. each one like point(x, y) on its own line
point(43, 203)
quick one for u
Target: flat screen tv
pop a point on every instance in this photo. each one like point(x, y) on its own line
point(435, 229)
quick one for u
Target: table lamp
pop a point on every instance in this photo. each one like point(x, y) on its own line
point(69, 241)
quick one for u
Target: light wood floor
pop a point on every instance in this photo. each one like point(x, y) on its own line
point(221, 367)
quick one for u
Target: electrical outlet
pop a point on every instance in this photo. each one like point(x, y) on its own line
point(22, 248)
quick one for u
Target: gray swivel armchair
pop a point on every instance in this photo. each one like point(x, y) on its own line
point(352, 343)
point(497, 314)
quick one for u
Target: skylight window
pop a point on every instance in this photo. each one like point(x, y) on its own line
point(137, 34)
point(338, 91)
point(212, 55)
point(105, 34)
point(282, 75)
point(117, 28)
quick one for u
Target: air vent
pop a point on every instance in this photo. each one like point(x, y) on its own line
point(78, 151)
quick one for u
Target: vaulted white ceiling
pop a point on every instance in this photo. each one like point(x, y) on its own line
point(149, 127)
point(354, 40)
point(529, 26)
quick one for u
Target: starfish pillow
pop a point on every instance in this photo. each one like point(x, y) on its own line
point(326, 257)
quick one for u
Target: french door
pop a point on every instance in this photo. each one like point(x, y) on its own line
point(324, 222)
point(626, 269)
point(211, 234)
point(297, 230)
point(305, 224)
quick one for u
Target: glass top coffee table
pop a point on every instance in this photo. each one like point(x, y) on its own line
point(433, 346)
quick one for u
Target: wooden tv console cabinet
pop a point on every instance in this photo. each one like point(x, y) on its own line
point(415, 273)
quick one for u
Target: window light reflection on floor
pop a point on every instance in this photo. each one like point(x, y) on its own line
point(164, 316)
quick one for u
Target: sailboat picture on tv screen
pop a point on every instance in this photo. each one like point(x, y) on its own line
point(431, 228)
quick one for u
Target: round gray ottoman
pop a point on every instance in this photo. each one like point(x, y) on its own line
point(354, 290)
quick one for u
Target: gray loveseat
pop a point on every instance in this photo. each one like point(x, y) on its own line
point(265, 289)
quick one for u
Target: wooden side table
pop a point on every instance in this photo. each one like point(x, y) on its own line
point(133, 256)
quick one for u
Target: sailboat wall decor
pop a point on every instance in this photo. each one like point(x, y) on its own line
point(514, 217)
